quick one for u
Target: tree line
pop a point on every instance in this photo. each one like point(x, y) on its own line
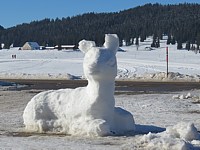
point(181, 23)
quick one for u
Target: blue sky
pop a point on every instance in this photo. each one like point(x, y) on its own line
point(13, 12)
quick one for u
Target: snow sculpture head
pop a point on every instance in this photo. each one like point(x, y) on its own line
point(100, 63)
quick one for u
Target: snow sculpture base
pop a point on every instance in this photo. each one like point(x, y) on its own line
point(86, 110)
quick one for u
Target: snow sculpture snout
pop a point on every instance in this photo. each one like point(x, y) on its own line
point(86, 110)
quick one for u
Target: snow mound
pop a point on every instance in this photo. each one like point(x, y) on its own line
point(184, 131)
point(158, 76)
point(86, 110)
point(187, 96)
point(48, 76)
point(178, 137)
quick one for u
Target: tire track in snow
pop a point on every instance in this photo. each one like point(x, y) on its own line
point(155, 66)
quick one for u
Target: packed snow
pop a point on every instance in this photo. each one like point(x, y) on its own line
point(88, 111)
point(163, 121)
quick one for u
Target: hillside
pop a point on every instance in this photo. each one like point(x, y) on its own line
point(180, 21)
point(1, 28)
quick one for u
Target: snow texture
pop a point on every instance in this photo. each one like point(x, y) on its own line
point(86, 110)
point(177, 137)
point(156, 116)
point(133, 64)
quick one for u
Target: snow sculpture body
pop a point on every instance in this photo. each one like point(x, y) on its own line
point(86, 110)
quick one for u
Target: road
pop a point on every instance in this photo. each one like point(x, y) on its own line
point(121, 86)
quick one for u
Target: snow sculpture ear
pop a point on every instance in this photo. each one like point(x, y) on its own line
point(85, 46)
point(111, 42)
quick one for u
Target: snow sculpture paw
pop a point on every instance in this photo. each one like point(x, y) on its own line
point(86, 110)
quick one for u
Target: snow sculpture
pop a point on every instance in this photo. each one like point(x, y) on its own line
point(86, 110)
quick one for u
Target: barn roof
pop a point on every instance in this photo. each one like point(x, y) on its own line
point(33, 44)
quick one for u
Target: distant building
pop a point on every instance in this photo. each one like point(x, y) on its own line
point(50, 47)
point(65, 47)
point(31, 46)
point(11, 46)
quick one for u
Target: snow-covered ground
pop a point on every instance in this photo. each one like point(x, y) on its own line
point(132, 64)
point(153, 113)
point(163, 121)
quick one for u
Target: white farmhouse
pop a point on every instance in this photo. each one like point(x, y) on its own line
point(31, 46)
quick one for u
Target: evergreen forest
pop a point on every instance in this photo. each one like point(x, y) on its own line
point(181, 23)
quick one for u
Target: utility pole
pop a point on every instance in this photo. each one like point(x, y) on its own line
point(167, 60)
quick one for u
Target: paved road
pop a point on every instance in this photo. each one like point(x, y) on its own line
point(121, 86)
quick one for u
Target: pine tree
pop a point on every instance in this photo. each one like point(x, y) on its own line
point(173, 41)
point(157, 43)
point(120, 42)
point(169, 39)
point(179, 45)
point(137, 41)
point(198, 40)
point(153, 44)
point(187, 45)
point(142, 37)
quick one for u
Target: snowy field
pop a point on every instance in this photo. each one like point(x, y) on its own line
point(153, 113)
point(167, 121)
point(132, 64)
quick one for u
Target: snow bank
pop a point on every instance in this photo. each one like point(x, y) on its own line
point(178, 137)
point(87, 110)
point(48, 76)
point(186, 96)
point(159, 76)
point(121, 75)
point(184, 131)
